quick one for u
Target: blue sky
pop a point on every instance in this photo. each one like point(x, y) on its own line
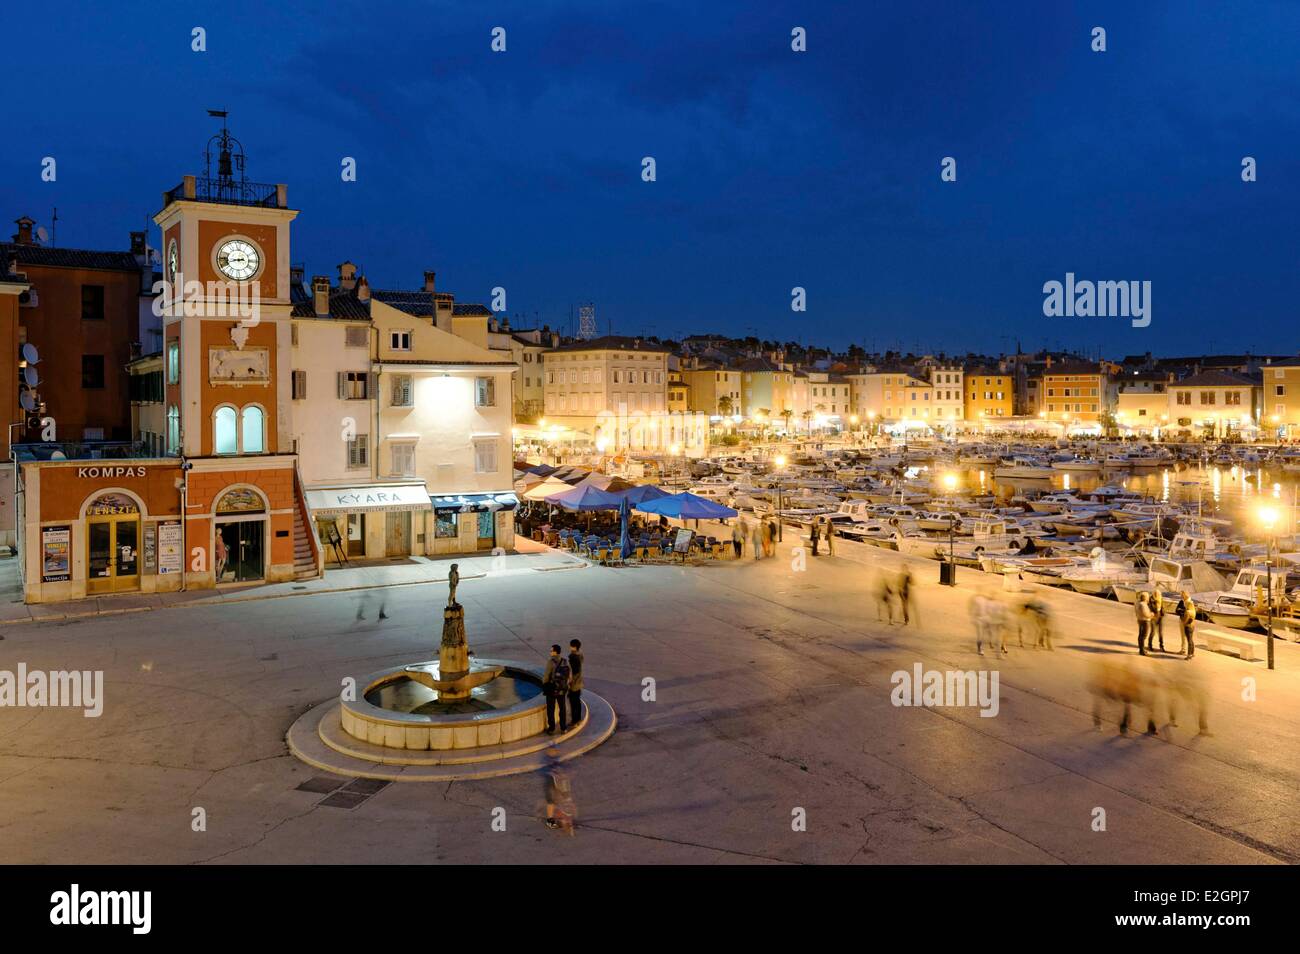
point(775, 169)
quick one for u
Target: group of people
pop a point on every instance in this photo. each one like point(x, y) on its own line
point(1151, 609)
point(822, 530)
point(994, 620)
point(761, 535)
point(562, 683)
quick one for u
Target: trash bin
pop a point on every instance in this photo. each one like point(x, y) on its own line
point(1011, 581)
point(947, 573)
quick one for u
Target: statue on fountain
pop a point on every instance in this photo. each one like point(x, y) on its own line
point(454, 676)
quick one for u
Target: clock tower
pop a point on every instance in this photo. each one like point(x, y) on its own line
point(227, 372)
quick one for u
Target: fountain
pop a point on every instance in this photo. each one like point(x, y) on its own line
point(456, 717)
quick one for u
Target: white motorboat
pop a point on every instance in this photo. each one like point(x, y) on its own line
point(1171, 577)
point(1024, 468)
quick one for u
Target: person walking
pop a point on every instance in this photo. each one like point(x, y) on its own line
point(1157, 620)
point(555, 683)
point(905, 596)
point(575, 681)
point(979, 619)
point(738, 532)
point(830, 536)
point(756, 540)
point(1187, 623)
point(884, 598)
point(769, 547)
point(1142, 611)
point(814, 531)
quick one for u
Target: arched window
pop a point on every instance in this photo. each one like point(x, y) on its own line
point(254, 431)
point(225, 431)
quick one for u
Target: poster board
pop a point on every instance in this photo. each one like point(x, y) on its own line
point(169, 547)
point(150, 548)
point(56, 554)
point(682, 543)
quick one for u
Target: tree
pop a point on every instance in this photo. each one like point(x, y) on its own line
point(725, 405)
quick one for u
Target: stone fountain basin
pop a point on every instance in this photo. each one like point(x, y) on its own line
point(445, 730)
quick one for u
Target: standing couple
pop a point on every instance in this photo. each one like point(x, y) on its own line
point(563, 681)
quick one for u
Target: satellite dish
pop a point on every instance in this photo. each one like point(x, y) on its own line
point(41, 233)
point(30, 354)
point(31, 377)
point(27, 401)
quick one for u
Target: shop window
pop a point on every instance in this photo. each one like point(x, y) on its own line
point(444, 524)
point(254, 430)
point(225, 431)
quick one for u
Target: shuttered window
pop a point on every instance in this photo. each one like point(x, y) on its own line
point(402, 391)
point(358, 451)
point(357, 336)
point(300, 385)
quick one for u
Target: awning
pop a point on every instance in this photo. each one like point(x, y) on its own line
point(472, 503)
point(373, 498)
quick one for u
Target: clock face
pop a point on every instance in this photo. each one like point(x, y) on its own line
point(238, 260)
point(173, 261)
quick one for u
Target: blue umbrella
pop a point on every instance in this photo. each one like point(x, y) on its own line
point(585, 497)
point(643, 492)
point(624, 539)
point(687, 506)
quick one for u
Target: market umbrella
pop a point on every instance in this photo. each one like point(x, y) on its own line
point(642, 493)
point(624, 538)
point(686, 506)
point(585, 498)
point(546, 488)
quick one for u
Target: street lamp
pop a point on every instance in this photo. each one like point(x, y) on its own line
point(779, 460)
point(1267, 516)
point(948, 571)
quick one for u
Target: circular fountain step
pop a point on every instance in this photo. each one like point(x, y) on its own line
point(318, 738)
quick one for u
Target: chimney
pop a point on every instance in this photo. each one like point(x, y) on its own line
point(347, 276)
point(297, 274)
point(137, 245)
point(505, 324)
point(363, 289)
point(428, 281)
point(24, 234)
point(320, 290)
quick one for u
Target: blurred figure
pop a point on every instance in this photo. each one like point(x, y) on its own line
point(884, 597)
point(814, 532)
point(1036, 616)
point(1117, 680)
point(905, 597)
point(561, 811)
point(738, 534)
point(979, 619)
point(756, 540)
point(1186, 693)
point(1187, 623)
point(830, 537)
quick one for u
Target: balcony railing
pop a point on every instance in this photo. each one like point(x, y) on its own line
point(226, 192)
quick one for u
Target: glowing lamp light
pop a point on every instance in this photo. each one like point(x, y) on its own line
point(950, 481)
point(601, 444)
point(1267, 516)
point(674, 450)
point(779, 460)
